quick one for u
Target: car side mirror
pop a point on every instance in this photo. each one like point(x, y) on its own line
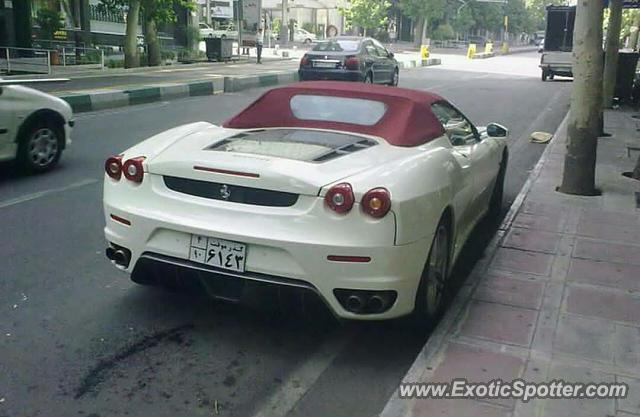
point(495, 130)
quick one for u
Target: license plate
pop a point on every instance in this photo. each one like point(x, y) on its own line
point(220, 253)
point(320, 64)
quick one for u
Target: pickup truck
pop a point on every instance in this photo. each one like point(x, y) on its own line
point(557, 55)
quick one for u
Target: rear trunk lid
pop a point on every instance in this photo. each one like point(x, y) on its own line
point(299, 161)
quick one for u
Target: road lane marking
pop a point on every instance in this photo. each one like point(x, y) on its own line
point(30, 197)
point(298, 383)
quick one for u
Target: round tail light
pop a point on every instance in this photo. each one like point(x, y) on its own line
point(113, 167)
point(376, 202)
point(132, 169)
point(340, 198)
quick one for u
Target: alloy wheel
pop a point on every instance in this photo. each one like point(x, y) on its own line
point(42, 147)
point(437, 271)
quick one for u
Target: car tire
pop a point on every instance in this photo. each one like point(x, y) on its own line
point(552, 76)
point(395, 79)
point(40, 146)
point(497, 196)
point(433, 290)
point(307, 41)
point(544, 75)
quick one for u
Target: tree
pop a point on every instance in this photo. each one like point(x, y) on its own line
point(611, 57)
point(425, 13)
point(131, 57)
point(586, 101)
point(154, 12)
point(50, 21)
point(536, 10)
point(367, 14)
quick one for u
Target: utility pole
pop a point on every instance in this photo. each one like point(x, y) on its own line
point(611, 52)
point(586, 101)
point(208, 6)
point(284, 24)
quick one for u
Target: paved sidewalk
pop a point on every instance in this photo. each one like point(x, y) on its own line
point(557, 296)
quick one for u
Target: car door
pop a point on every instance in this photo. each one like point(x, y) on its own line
point(386, 64)
point(467, 143)
point(372, 61)
point(7, 124)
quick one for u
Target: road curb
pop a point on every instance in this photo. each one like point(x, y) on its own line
point(397, 407)
point(415, 63)
point(108, 99)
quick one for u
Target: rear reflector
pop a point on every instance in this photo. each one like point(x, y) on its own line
point(356, 259)
point(120, 220)
point(227, 172)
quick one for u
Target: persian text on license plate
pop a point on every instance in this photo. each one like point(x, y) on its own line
point(321, 64)
point(218, 252)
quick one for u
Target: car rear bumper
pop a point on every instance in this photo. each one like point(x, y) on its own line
point(279, 250)
point(316, 74)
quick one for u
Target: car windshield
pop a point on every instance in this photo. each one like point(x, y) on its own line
point(337, 109)
point(337, 45)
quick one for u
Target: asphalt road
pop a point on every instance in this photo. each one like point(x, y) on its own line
point(78, 339)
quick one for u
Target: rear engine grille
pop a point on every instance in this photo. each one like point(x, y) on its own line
point(231, 193)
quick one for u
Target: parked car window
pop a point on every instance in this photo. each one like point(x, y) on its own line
point(458, 128)
point(382, 51)
point(337, 45)
point(337, 109)
point(371, 50)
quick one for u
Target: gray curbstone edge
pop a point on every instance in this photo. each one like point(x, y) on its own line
point(428, 355)
point(429, 62)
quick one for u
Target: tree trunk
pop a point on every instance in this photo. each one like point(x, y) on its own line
point(418, 31)
point(586, 101)
point(633, 37)
point(611, 57)
point(151, 40)
point(131, 58)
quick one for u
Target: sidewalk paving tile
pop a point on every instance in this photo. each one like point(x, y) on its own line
point(626, 349)
point(537, 222)
point(523, 261)
point(500, 323)
point(578, 407)
point(607, 251)
point(595, 302)
point(476, 364)
point(456, 408)
point(620, 276)
point(617, 232)
point(631, 404)
point(609, 217)
point(586, 338)
point(532, 240)
point(525, 293)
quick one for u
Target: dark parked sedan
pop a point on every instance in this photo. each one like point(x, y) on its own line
point(350, 58)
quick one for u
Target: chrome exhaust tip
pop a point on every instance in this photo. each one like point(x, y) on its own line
point(355, 303)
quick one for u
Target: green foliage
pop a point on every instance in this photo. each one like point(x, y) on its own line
point(536, 13)
point(192, 34)
point(432, 10)
point(443, 32)
point(115, 63)
point(368, 14)
point(50, 21)
point(167, 54)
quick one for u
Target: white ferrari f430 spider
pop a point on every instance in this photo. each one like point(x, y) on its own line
point(363, 194)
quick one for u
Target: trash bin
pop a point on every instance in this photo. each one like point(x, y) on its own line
point(627, 62)
point(219, 49)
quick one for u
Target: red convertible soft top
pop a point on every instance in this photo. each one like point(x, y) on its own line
point(408, 120)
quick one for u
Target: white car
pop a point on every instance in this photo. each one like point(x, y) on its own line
point(301, 35)
point(207, 31)
point(363, 194)
point(35, 127)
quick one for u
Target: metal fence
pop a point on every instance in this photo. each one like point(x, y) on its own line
point(47, 61)
point(26, 60)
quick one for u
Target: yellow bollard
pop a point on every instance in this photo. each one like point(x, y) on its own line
point(471, 51)
point(488, 48)
point(505, 47)
point(424, 51)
